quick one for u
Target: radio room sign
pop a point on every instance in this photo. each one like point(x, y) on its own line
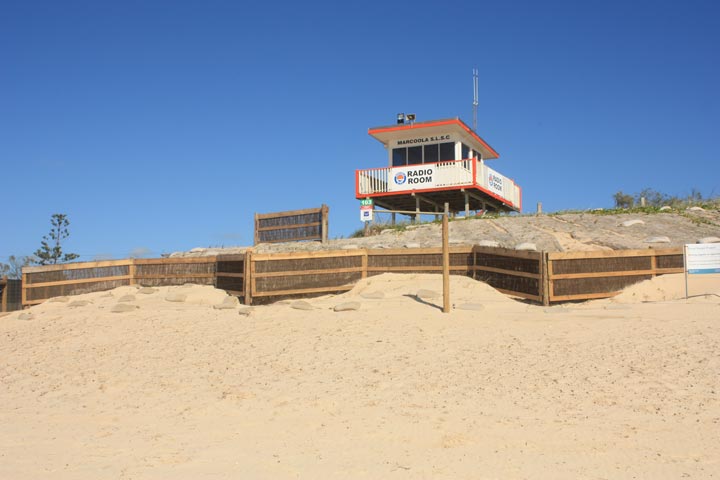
point(412, 178)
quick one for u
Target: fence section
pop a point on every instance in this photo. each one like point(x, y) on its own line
point(10, 294)
point(48, 281)
point(541, 277)
point(513, 272)
point(304, 273)
point(589, 275)
point(42, 283)
point(155, 272)
point(231, 274)
point(292, 226)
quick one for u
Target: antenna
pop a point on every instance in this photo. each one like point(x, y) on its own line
point(475, 97)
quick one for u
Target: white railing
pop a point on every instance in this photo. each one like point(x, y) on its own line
point(444, 174)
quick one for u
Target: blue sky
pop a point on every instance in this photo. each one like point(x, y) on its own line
point(159, 126)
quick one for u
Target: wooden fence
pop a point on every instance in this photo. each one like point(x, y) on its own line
point(292, 226)
point(48, 281)
point(537, 276)
point(10, 294)
point(588, 275)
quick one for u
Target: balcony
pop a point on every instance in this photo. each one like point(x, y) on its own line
point(465, 184)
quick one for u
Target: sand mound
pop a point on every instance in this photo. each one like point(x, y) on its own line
point(669, 287)
point(462, 288)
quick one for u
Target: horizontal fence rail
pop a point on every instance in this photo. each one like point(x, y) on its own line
point(536, 276)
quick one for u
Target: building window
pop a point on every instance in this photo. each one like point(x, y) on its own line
point(431, 153)
point(447, 151)
point(465, 152)
point(415, 155)
point(399, 157)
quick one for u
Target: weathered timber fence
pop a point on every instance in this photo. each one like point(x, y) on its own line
point(588, 275)
point(48, 281)
point(292, 226)
point(10, 294)
point(537, 276)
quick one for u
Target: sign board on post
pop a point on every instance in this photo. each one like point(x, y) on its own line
point(701, 258)
point(366, 213)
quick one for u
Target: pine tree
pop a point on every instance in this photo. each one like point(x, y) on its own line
point(50, 251)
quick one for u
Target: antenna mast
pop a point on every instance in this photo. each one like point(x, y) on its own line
point(475, 97)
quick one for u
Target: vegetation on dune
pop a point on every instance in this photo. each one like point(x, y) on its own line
point(654, 203)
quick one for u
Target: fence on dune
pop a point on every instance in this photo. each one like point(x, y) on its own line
point(259, 278)
point(10, 294)
point(292, 226)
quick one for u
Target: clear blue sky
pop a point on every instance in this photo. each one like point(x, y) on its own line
point(165, 125)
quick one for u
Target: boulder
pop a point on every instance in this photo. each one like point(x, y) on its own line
point(346, 307)
point(123, 307)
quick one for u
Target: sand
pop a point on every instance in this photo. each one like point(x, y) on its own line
point(619, 388)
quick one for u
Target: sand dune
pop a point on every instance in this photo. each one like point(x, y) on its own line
point(178, 386)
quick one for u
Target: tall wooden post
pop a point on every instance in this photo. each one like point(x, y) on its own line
point(446, 260)
point(324, 214)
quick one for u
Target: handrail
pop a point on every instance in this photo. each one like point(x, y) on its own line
point(452, 173)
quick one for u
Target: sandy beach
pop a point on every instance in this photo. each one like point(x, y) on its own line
point(179, 382)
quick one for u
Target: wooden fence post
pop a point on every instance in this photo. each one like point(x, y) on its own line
point(324, 213)
point(24, 289)
point(131, 272)
point(257, 234)
point(545, 278)
point(3, 294)
point(364, 263)
point(653, 263)
point(446, 260)
point(247, 278)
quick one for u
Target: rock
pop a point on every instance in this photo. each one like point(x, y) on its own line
point(709, 240)
point(387, 232)
point(147, 290)
point(123, 307)
point(412, 245)
point(526, 246)
point(373, 295)
point(696, 209)
point(380, 246)
point(175, 297)
point(59, 299)
point(346, 307)
point(489, 243)
point(228, 303)
point(665, 208)
point(349, 247)
point(423, 293)
point(79, 303)
point(658, 239)
point(471, 306)
point(245, 311)
point(301, 305)
point(630, 223)
point(126, 298)
point(26, 316)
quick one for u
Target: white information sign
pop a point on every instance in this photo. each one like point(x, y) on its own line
point(702, 258)
point(412, 177)
point(366, 213)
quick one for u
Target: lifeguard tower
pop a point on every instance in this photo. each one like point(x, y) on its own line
point(432, 163)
